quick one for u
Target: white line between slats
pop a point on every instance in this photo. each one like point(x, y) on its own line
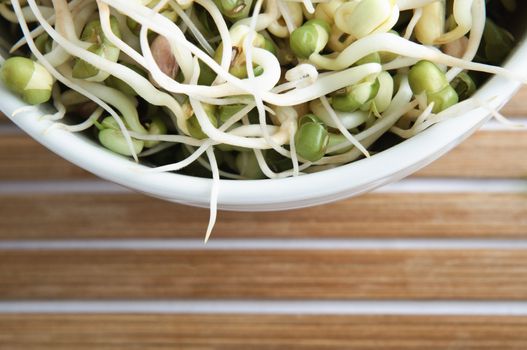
point(9, 129)
point(267, 244)
point(409, 185)
point(61, 187)
point(290, 307)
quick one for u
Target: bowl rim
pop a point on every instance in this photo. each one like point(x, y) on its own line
point(343, 181)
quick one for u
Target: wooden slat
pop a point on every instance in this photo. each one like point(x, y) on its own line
point(72, 216)
point(260, 332)
point(517, 106)
point(487, 154)
point(22, 158)
point(263, 274)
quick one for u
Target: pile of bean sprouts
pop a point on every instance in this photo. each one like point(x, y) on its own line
point(261, 88)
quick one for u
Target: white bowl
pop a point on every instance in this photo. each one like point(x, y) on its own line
point(278, 194)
